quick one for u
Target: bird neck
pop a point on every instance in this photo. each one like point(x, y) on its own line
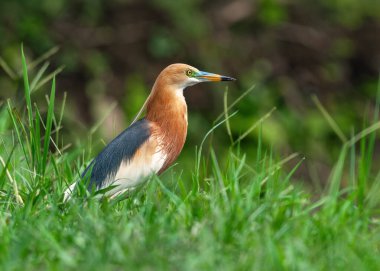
point(166, 108)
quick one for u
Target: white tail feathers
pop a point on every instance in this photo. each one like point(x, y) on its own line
point(68, 192)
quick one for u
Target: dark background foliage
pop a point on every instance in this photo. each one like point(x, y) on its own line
point(290, 49)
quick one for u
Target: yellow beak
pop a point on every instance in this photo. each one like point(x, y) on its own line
point(212, 77)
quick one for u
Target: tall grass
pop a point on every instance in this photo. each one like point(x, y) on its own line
point(231, 215)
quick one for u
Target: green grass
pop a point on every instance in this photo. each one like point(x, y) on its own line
point(223, 214)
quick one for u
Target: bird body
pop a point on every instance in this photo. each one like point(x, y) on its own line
point(151, 144)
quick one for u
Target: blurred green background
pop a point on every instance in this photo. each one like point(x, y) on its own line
point(291, 50)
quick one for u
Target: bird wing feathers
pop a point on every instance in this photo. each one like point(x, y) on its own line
point(127, 160)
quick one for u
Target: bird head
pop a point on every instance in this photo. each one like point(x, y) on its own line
point(181, 76)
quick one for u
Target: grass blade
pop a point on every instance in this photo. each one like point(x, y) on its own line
point(36, 79)
point(27, 89)
point(8, 70)
point(42, 58)
point(254, 126)
point(48, 77)
point(49, 122)
point(329, 119)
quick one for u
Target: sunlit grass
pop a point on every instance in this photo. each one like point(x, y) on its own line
point(230, 215)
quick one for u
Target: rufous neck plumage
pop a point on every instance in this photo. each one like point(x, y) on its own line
point(166, 109)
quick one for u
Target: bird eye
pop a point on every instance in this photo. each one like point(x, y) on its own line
point(189, 73)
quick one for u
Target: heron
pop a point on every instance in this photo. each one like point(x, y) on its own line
point(150, 144)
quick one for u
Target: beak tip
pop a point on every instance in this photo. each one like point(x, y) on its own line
point(226, 78)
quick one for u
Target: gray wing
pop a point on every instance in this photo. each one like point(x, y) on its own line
point(122, 148)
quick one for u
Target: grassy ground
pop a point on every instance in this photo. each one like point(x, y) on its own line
point(226, 215)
